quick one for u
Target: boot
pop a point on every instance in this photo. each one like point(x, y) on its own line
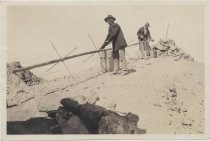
point(116, 67)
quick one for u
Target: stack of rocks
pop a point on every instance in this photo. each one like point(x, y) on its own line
point(26, 77)
point(169, 48)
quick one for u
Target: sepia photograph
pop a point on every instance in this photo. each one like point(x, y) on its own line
point(104, 68)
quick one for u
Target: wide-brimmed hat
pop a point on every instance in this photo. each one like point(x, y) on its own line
point(109, 17)
point(147, 24)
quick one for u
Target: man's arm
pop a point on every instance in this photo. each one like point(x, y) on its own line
point(140, 33)
point(149, 36)
point(113, 32)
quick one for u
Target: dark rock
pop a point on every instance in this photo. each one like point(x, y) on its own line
point(73, 126)
point(38, 125)
point(42, 125)
point(91, 115)
point(69, 123)
point(70, 105)
point(99, 120)
point(116, 125)
point(17, 128)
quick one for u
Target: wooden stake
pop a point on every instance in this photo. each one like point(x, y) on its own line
point(64, 56)
point(94, 46)
point(167, 31)
point(62, 60)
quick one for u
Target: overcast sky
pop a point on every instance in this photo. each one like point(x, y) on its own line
point(29, 28)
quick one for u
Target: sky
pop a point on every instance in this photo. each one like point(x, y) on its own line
point(30, 28)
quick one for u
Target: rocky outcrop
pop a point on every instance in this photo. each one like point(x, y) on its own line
point(18, 83)
point(169, 48)
point(89, 118)
point(26, 77)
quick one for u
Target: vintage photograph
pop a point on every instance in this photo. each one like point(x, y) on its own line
point(105, 68)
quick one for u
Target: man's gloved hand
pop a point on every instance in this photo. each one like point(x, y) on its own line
point(104, 44)
point(102, 47)
point(140, 37)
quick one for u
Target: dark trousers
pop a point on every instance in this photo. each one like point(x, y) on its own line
point(115, 54)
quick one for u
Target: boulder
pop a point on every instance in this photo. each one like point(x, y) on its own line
point(116, 125)
point(73, 126)
point(69, 123)
point(17, 128)
point(99, 120)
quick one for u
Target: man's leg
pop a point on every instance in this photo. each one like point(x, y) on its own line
point(109, 61)
point(116, 61)
point(123, 59)
point(145, 50)
point(141, 54)
point(147, 46)
point(144, 55)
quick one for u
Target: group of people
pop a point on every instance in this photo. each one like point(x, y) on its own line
point(116, 37)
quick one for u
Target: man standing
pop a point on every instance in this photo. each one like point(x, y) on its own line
point(117, 38)
point(144, 36)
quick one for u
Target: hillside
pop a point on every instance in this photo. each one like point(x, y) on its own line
point(167, 95)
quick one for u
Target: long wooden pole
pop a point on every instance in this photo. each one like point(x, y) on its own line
point(62, 59)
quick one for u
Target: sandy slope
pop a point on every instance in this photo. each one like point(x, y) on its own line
point(167, 95)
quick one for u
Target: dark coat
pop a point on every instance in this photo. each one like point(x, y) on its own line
point(116, 36)
point(142, 36)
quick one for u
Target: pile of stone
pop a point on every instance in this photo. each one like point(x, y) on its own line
point(169, 48)
point(26, 77)
point(75, 118)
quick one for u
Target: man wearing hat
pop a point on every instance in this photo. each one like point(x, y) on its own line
point(144, 36)
point(117, 38)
